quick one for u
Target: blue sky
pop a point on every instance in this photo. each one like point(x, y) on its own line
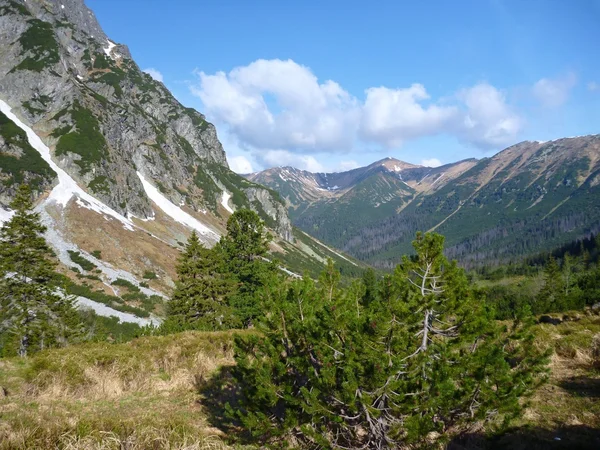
point(330, 85)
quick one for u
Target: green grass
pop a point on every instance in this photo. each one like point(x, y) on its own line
point(304, 263)
point(13, 7)
point(85, 140)
point(149, 275)
point(101, 62)
point(32, 109)
point(29, 166)
point(210, 190)
point(114, 79)
point(39, 42)
point(101, 185)
point(137, 395)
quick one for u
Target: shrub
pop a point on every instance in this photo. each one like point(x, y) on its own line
point(76, 257)
point(333, 367)
point(126, 284)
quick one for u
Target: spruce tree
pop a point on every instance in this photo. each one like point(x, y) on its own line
point(33, 315)
point(423, 357)
point(552, 295)
point(369, 281)
point(244, 250)
point(200, 298)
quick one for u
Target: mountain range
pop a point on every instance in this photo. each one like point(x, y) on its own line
point(122, 173)
point(527, 198)
point(121, 170)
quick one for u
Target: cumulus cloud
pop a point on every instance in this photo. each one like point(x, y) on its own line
point(392, 116)
point(553, 92)
point(277, 158)
point(277, 108)
point(280, 104)
point(488, 121)
point(348, 165)
point(240, 164)
point(432, 162)
point(593, 86)
point(154, 74)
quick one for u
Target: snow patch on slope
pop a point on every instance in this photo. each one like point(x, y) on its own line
point(225, 201)
point(174, 211)
point(5, 215)
point(67, 188)
point(108, 50)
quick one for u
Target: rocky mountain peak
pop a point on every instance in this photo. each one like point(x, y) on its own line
point(74, 12)
point(395, 165)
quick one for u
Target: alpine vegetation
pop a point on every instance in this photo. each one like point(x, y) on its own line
point(218, 288)
point(415, 361)
point(33, 314)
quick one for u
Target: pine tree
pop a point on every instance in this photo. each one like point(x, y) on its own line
point(244, 248)
point(369, 281)
point(424, 356)
point(34, 315)
point(567, 272)
point(552, 295)
point(200, 298)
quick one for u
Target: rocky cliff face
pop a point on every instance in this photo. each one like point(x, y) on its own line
point(105, 120)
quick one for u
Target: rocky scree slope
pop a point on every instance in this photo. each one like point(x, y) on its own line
point(527, 198)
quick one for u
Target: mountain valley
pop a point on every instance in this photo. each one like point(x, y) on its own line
point(526, 199)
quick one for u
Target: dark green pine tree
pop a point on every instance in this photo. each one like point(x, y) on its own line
point(200, 298)
point(424, 356)
point(244, 250)
point(552, 295)
point(33, 314)
point(369, 281)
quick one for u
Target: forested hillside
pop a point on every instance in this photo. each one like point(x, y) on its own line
point(530, 197)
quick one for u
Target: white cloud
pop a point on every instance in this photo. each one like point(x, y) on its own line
point(275, 106)
point(488, 121)
point(593, 86)
point(431, 162)
point(348, 165)
point(280, 104)
point(552, 93)
point(392, 116)
point(240, 164)
point(277, 158)
point(154, 74)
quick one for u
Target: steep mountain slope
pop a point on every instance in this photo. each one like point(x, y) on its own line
point(121, 168)
point(381, 183)
point(527, 198)
point(337, 207)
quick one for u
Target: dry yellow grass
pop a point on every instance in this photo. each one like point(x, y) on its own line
point(138, 395)
point(143, 394)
